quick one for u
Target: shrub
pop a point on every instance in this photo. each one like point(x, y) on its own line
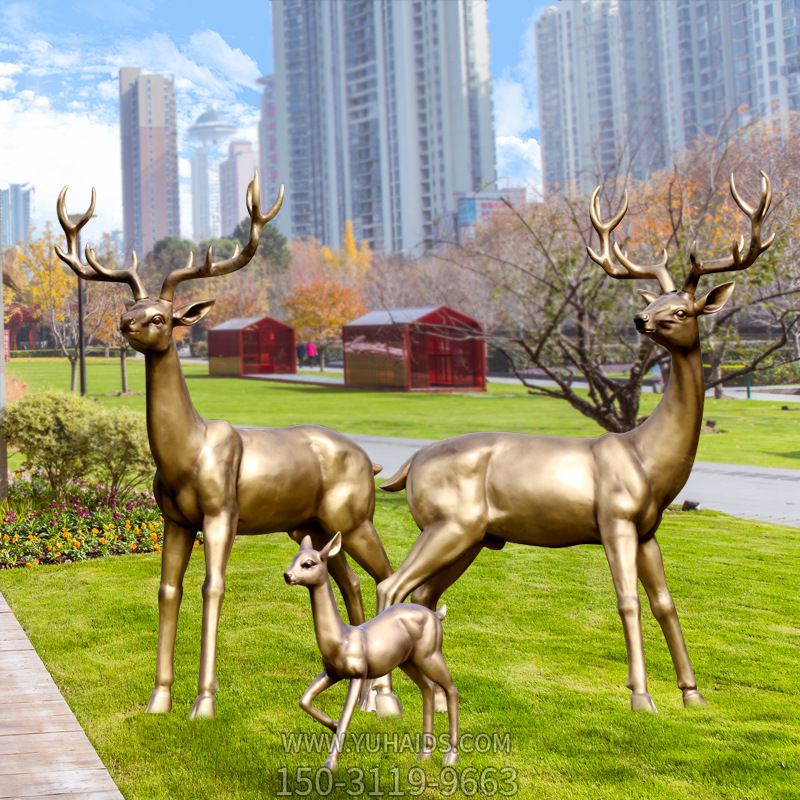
point(69, 439)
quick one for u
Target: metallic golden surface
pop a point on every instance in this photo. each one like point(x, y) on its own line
point(485, 489)
point(405, 635)
point(223, 480)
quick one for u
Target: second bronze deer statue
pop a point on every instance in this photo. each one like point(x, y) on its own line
point(223, 480)
point(485, 489)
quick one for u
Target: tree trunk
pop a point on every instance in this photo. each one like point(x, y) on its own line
point(321, 356)
point(73, 378)
point(123, 366)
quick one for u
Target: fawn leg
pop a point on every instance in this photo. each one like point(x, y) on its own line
point(621, 544)
point(218, 535)
point(365, 546)
point(651, 573)
point(435, 668)
point(316, 688)
point(426, 687)
point(353, 691)
point(178, 542)
point(428, 595)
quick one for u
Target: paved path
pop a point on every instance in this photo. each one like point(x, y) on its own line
point(44, 752)
point(758, 493)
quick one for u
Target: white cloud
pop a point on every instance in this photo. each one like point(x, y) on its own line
point(7, 84)
point(513, 111)
point(210, 48)
point(7, 68)
point(520, 162)
point(49, 147)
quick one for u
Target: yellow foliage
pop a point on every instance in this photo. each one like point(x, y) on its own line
point(351, 257)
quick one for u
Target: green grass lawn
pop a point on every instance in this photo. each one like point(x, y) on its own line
point(533, 641)
point(756, 432)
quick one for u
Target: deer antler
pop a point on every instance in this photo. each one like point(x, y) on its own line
point(239, 259)
point(97, 272)
point(628, 270)
point(739, 258)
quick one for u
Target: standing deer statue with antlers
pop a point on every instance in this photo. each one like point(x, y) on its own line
point(223, 480)
point(486, 489)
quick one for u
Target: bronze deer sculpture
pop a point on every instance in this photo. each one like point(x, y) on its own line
point(486, 489)
point(223, 480)
point(406, 635)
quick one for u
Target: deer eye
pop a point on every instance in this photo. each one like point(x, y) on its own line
point(680, 314)
point(308, 564)
point(157, 320)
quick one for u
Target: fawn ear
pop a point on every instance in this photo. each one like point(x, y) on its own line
point(714, 300)
point(649, 297)
point(191, 313)
point(306, 543)
point(332, 548)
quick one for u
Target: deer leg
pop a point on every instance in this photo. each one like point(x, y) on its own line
point(620, 542)
point(353, 692)
point(178, 542)
point(428, 595)
point(366, 548)
point(218, 535)
point(434, 667)
point(426, 688)
point(651, 573)
point(317, 687)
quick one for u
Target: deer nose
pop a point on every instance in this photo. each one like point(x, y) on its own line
point(126, 324)
point(287, 576)
point(643, 317)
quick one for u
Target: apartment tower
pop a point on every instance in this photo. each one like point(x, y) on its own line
point(149, 159)
point(384, 116)
point(235, 173)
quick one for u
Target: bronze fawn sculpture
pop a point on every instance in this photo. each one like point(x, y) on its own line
point(406, 635)
point(223, 480)
point(486, 489)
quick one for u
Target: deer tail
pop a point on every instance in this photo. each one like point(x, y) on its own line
point(376, 468)
point(398, 481)
point(442, 612)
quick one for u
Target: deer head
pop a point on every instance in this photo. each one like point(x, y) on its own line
point(671, 316)
point(310, 567)
point(147, 322)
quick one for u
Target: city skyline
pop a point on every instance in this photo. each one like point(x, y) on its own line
point(59, 104)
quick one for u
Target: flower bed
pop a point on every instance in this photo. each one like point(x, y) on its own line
point(90, 523)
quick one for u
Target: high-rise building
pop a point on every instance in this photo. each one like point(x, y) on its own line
point(384, 116)
point(625, 85)
point(15, 214)
point(149, 136)
point(235, 172)
point(210, 130)
point(268, 141)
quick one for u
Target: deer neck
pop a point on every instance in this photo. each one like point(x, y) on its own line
point(328, 624)
point(667, 440)
point(175, 430)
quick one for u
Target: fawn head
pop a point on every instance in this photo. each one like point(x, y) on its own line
point(147, 322)
point(671, 316)
point(310, 567)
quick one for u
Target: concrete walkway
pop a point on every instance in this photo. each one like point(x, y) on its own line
point(44, 752)
point(757, 493)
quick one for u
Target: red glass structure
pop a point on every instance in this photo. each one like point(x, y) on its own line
point(251, 346)
point(434, 349)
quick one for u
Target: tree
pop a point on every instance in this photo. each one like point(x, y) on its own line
point(318, 310)
point(273, 248)
point(52, 292)
point(351, 261)
point(555, 315)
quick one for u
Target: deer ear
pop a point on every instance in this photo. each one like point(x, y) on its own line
point(191, 313)
point(306, 543)
point(714, 300)
point(332, 548)
point(649, 297)
point(128, 303)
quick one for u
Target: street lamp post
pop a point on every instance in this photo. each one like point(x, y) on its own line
point(74, 218)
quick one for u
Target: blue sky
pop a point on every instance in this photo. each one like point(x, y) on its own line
point(58, 86)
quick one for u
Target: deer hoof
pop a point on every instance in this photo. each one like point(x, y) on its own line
point(424, 755)
point(205, 707)
point(643, 702)
point(387, 705)
point(450, 758)
point(439, 700)
point(160, 701)
point(693, 699)
point(367, 700)
point(330, 764)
